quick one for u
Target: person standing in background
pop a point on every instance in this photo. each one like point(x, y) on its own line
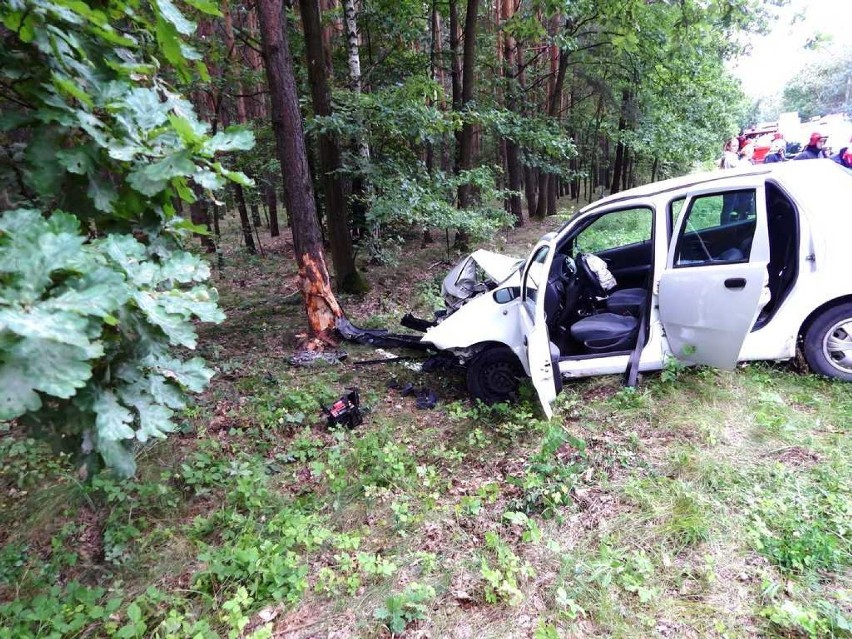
point(776, 152)
point(815, 149)
point(729, 154)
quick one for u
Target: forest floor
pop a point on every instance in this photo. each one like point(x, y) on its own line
point(700, 504)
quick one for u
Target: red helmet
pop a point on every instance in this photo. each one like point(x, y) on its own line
point(816, 136)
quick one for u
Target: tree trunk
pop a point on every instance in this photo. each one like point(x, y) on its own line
point(546, 203)
point(245, 223)
point(361, 189)
point(342, 255)
point(255, 214)
point(200, 216)
point(513, 159)
point(455, 69)
point(465, 137)
point(272, 205)
point(619, 170)
point(530, 190)
point(321, 306)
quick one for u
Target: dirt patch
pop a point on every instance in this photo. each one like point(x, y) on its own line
point(595, 505)
point(799, 457)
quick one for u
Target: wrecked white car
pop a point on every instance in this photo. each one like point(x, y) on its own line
point(711, 269)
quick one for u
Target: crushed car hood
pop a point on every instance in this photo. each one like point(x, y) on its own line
point(465, 279)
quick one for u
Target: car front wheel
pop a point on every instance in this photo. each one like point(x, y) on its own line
point(495, 375)
point(828, 343)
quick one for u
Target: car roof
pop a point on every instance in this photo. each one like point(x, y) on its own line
point(797, 176)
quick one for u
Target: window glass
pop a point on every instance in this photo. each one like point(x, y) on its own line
point(675, 207)
point(535, 274)
point(614, 230)
point(718, 229)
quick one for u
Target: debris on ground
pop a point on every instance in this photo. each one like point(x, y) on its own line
point(346, 411)
point(425, 399)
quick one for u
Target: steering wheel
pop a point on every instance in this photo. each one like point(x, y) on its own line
point(595, 273)
point(567, 269)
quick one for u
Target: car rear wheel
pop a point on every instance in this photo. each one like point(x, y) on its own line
point(828, 343)
point(495, 375)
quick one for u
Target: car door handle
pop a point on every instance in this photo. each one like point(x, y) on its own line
point(735, 283)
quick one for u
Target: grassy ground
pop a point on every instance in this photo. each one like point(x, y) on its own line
point(702, 504)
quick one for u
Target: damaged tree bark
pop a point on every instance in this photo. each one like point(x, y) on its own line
point(322, 308)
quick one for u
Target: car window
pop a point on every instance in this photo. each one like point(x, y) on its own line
point(675, 207)
point(718, 229)
point(614, 230)
point(535, 274)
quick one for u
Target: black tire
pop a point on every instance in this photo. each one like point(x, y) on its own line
point(495, 375)
point(828, 343)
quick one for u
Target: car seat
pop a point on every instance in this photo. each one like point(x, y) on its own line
point(627, 301)
point(605, 332)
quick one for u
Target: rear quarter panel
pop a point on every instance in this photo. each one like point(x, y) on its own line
point(823, 198)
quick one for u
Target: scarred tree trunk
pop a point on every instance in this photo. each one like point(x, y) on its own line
point(329, 150)
point(321, 306)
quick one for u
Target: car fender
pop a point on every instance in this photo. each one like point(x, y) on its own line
point(481, 320)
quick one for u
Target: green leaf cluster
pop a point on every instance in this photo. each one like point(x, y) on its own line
point(86, 330)
point(97, 293)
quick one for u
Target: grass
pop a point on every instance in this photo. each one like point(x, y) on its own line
point(702, 504)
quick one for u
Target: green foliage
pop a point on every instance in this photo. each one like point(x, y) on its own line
point(90, 324)
point(819, 620)
point(96, 290)
point(553, 472)
point(58, 612)
point(410, 605)
point(820, 88)
point(503, 574)
point(802, 524)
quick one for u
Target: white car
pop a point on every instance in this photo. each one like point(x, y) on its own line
point(715, 268)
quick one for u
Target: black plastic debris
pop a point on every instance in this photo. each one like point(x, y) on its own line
point(415, 323)
point(379, 336)
point(346, 411)
point(441, 361)
point(426, 399)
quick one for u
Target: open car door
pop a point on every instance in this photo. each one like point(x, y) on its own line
point(713, 286)
point(536, 341)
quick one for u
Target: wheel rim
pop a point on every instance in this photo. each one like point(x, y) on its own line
point(837, 345)
point(500, 379)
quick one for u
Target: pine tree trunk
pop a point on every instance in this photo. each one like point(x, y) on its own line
point(245, 223)
point(530, 185)
point(329, 150)
point(199, 215)
point(272, 206)
point(466, 135)
point(619, 170)
point(547, 199)
point(513, 156)
point(455, 68)
point(320, 304)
